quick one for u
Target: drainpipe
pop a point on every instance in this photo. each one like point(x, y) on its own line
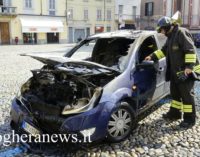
point(172, 7)
point(66, 12)
point(40, 7)
point(67, 21)
point(190, 13)
point(183, 11)
point(104, 5)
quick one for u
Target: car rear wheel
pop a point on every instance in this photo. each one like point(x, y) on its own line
point(121, 123)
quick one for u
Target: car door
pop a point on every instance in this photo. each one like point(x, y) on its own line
point(149, 80)
point(162, 87)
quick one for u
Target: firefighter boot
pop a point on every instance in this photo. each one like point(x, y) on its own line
point(172, 115)
point(188, 122)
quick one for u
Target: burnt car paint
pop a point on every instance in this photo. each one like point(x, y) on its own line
point(116, 85)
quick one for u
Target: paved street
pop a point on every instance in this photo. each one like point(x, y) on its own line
point(153, 137)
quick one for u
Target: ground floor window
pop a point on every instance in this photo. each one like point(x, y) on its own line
point(30, 38)
point(52, 37)
point(108, 29)
point(78, 34)
point(87, 31)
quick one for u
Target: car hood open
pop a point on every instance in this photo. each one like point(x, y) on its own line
point(57, 60)
point(48, 59)
point(65, 86)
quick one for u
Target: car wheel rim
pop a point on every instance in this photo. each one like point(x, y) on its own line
point(119, 124)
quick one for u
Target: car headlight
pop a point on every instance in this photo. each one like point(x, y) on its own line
point(92, 103)
point(25, 87)
point(95, 98)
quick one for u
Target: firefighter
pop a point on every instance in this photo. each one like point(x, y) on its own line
point(181, 58)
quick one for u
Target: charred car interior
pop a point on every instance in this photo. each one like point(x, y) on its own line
point(109, 52)
point(93, 93)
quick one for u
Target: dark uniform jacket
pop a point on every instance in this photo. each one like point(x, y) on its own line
point(179, 51)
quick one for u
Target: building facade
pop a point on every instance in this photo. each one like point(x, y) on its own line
point(127, 14)
point(53, 21)
point(8, 13)
point(85, 17)
point(151, 11)
point(189, 10)
point(33, 21)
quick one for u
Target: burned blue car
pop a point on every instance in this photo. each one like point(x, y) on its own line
point(100, 87)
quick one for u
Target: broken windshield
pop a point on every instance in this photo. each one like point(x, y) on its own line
point(85, 51)
point(110, 52)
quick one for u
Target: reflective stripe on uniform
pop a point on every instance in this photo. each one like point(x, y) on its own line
point(159, 54)
point(150, 46)
point(176, 104)
point(197, 68)
point(190, 58)
point(157, 28)
point(187, 108)
point(178, 73)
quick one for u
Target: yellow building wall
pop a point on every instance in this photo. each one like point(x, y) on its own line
point(40, 7)
point(21, 7)
point(78, 7)
point(42, 36)
point(63, 35)
point(16, 29)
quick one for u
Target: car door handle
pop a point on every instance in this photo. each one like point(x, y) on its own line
point(161, 69)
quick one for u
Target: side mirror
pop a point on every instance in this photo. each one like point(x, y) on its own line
point(145, 64)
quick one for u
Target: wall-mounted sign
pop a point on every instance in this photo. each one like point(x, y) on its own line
point(54, 29)
point(32, 29)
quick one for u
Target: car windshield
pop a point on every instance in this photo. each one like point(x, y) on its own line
point(85, 51)
point(110, 52)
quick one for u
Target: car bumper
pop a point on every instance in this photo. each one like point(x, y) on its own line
point(97, 118)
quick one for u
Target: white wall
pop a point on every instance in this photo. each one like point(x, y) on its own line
point(127, 6)
point(195, 13)
point(169, 8)
point(185, 11)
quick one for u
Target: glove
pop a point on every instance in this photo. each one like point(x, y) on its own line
point(181, 76)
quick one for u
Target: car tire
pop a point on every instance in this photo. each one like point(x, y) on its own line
point(122, 122)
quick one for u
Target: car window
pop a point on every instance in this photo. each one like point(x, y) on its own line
point(147, 47)
point(112, 52)
point(161, 39)
point(85, 51)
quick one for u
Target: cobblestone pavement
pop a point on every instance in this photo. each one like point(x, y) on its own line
point(153, 137)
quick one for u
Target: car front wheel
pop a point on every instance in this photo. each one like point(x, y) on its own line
point(121, 123)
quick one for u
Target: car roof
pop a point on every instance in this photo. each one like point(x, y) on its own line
point(123, 34)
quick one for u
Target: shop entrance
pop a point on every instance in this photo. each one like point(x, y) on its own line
point(30, 38)
point(52, 37)
point(4, 33)
point(79, 34)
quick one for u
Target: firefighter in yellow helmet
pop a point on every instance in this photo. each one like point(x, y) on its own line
point(182, 62)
